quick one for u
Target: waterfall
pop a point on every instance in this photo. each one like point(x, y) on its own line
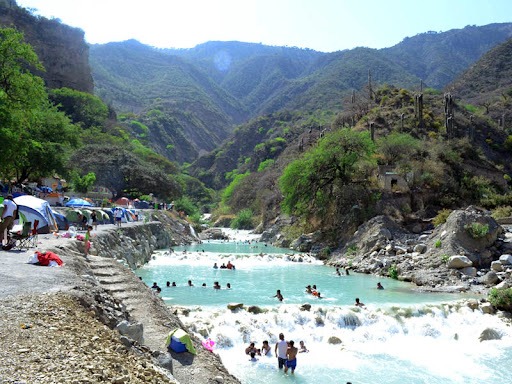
point(192, 231)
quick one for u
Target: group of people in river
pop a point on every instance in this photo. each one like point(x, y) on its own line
point(285, 351)
point(229, 265)
point(156, 288)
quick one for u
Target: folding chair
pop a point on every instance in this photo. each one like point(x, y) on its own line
point(25, 239)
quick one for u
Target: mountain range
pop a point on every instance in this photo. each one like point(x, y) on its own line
point(207, 91)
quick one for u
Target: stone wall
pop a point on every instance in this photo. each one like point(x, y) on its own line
point(134, 244)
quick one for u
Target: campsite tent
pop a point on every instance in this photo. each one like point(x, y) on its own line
point(124, 201)
point(141, 204)
point(78, 203)
point(179, 341)
point(37, 209)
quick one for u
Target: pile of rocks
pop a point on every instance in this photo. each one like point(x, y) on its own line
point(450, 257)
point(52, 338)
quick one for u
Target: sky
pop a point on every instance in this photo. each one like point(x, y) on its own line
point(321, 25)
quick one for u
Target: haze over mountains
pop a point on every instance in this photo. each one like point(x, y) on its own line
point(213, 87)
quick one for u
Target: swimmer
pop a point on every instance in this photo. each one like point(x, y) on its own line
point(215, 266)
point(379, 286)
point(190, 283)
point(279, 295)
point(358, 303)
point(265, 348)
point(302, 347)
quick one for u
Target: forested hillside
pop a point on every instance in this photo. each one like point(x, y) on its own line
point(207, 90)
point(487, 84)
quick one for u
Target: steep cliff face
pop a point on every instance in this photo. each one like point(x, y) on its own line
point(62, 49)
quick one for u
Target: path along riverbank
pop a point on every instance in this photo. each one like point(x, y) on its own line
point(57, 325)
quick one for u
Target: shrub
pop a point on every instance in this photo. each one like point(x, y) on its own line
point(351, 250)
point(501, 298)
point(445, 258)
point(441, 217)
point(437, 244)
point(477, 230)
point(393, 272)
point(501, 212)
point(186, 205)
point(325, 253)
point(265, 164)
point(243, 220)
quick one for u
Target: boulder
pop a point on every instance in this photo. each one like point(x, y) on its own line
point(305, 307)
point(235, 306)
point(506, 259)
point(420, 248)
point(496, 266)
point(468, 271)
point(490, 278)
point(334, 340)
point(489, 334)
point(487, 308)
point(134, 331)
point(255, 309)
point(458, 262)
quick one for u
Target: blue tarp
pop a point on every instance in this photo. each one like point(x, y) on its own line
point(78, 203)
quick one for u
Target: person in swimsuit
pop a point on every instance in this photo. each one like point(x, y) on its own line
point(291, 357)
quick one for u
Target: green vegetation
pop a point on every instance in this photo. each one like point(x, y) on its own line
point(265, 164)
point(83, 184)
point(326, 178)
point(351, 250)
point(438, 243)
point(36, 138)
point(445, 258)
point(186, 205)
point(243, 220)
point(477, 230)
point(441, 217)
point(393, 272)
point(501, 298)
point(502, 212)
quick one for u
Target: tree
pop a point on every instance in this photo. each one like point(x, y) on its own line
point(83, 183)
point(81, 107)
point(330, 177)
point(34, 136)
point(397, 147)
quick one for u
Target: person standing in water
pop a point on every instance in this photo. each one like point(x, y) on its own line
point(278, 295)
point(280, 351)
point(291, 357)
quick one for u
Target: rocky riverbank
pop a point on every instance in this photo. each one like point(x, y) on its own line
point(469, 252)
point(95, 321)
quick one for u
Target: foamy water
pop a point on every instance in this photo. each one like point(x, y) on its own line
point(402, 336)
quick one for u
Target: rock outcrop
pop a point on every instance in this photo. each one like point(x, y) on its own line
point(61, 49)
point(469, 252)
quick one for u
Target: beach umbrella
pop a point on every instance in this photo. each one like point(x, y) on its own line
point(77, 202)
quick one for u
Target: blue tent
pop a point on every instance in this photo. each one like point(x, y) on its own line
point(78, 203)
point(37, 209)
